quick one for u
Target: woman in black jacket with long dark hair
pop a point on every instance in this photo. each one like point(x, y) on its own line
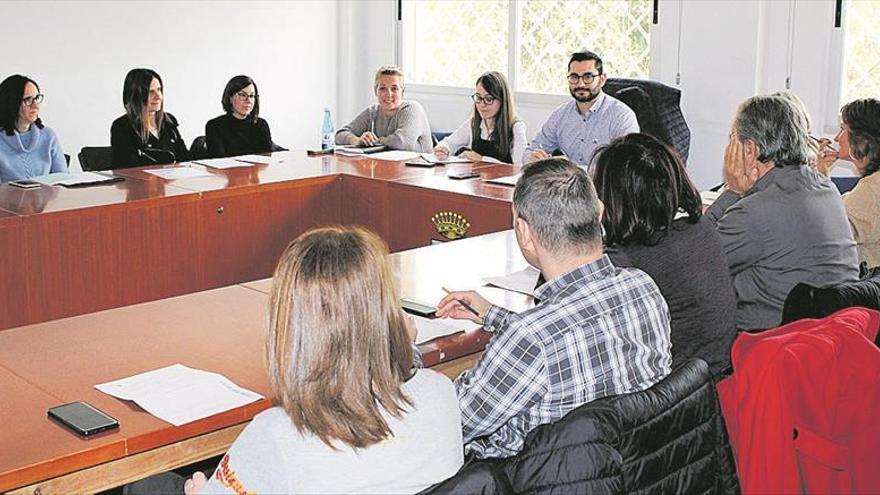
point(146, 134)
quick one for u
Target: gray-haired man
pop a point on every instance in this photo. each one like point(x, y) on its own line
point(598, 330)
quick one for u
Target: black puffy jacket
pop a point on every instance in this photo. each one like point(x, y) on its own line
point(669, 438)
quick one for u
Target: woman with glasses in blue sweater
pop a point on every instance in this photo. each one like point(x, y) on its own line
point(27, 147)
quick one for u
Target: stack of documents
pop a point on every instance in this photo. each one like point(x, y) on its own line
point(359, 150)
point(522, 281)
point(428, 329)
point(505, 181)
point(172, 173)
point(221, 163)
point(68, 180)
point(179, 395)
point(254, 159)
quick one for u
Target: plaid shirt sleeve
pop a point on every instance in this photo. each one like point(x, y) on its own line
point(510, 377)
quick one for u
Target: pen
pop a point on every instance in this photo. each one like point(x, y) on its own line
point(466, 305)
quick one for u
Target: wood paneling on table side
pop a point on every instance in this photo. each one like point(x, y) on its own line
point(243, 236)
point(412, 207)
point(13, 275)
point(365, 203)
point(32, 446)
point(91, 259)
point(220, 330)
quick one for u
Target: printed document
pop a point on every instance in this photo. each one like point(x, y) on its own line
point(179, 394)
point(522, 281)
point(505, 181)
point(224, 163)
point(428, 329)
point(173, 173)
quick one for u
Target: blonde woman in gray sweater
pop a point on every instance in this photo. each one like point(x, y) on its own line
point(393, 121)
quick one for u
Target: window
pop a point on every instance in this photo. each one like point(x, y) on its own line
point(861, 73)
point(450, 43)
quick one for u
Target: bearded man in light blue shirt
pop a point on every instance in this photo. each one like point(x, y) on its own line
point(591, 120)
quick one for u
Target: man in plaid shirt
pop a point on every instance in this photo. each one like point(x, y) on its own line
point(597, 330)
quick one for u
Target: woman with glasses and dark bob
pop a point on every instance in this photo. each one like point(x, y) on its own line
point(353, 412)
point(493, 130)
point(240, 131)
point(859, 142)
point(27, 147)
point(146, 134)
point(653, 221)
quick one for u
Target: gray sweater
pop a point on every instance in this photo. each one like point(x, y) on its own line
point(790, 227)
point(408, 129)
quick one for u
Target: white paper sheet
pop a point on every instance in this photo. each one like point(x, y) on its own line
point(489, 159)
point(254, 158)
point(709, 197)
point(179, 394)
point(172, 173)
point(428, 329)
point(394, 155)
point(223, 163)
point(432, 158)
point(64, 178)
point(510, 180)
point(522, 281)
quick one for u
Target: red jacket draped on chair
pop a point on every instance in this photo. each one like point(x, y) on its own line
point(801, 407)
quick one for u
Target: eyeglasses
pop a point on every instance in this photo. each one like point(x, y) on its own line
point(587, 77)
point(31, 100)
point(241, 95)
point(485, 100)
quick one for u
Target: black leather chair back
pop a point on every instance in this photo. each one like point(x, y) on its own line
point(93, 158)
point(657, 108)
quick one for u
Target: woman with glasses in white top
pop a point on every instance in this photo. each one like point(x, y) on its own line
point(493, 130)
point(27, 147)
point(240, 131)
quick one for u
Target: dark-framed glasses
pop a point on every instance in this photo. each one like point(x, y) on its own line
point(587, 77)
point(241, 95)
point(30, 100)
point(485, 100)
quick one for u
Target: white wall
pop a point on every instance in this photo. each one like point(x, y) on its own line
point(79, 53)
point(730, 50)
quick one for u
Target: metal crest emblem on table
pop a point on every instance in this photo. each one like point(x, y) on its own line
point(450, 225)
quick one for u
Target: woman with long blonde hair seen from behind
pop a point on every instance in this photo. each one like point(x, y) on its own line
point(352, 413)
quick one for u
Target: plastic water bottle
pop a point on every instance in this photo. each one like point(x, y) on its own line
point(327, 135)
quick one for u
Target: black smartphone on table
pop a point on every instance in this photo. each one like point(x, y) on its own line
point(418, 307)
point(83, 418)
point(466, 174)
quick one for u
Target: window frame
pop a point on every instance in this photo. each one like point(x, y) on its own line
point(513, 61)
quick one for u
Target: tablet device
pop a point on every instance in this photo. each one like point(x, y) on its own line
point(83, 418)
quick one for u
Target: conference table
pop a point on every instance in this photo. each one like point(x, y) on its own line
point(205, 294)
point(67, 252)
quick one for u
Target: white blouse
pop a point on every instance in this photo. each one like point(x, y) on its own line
point(462, 138)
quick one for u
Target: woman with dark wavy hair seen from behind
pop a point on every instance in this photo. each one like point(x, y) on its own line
point(859, 141)
point(653, 221)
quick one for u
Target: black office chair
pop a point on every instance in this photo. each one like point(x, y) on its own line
point(276, 147)
point(93, 158)
point(199, 149)
point(657, 108)
point(67, 159)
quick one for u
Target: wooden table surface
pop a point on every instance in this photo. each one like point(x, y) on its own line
point(219, 330)
point(83, 250)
